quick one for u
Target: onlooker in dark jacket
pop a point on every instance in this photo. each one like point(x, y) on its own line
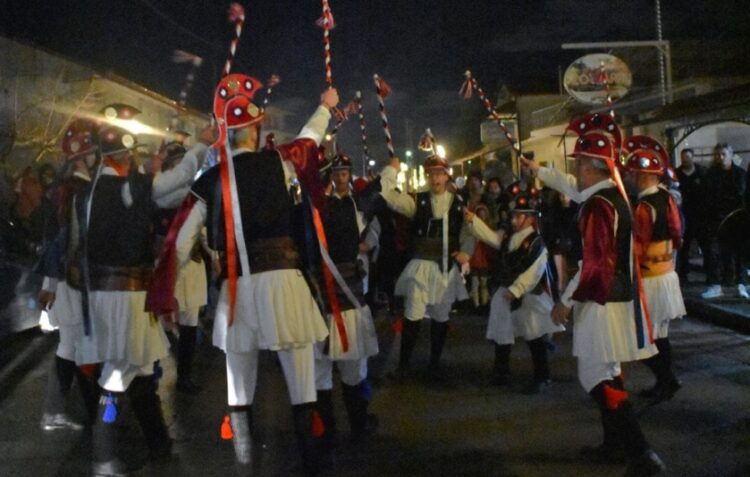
point(691, 178)
point(725, 189)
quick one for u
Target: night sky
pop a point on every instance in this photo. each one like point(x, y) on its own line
point(421, 47)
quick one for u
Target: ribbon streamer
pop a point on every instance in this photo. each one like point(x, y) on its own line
point(226, 170)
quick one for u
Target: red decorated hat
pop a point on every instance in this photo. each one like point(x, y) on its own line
point(78, 139)
point(436, 162)
point(646, 161)
point(640, 143)
point(341, 162)
point(595, 145)
point(599, 136)
point(523, 198)
point(114, 135)
point(233, 101)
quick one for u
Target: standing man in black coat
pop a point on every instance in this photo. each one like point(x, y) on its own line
point(691, 177)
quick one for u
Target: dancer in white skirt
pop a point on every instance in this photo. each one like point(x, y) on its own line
point(610, 320)
point(522, 303)
point(63, 302)
point(431, 281)
point(658, 233)
point(112, 266)
point(343, 225)
point(272, 306)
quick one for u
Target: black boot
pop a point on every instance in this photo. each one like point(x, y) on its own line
point(310, 431)
point(325, 405)
point(642, 460)
point(612, 448)
point(89, 392)
point(147, 409)
point(538, 348)
point(185, 353)
point(501, 370)
point(241, 419)
point(438, 334)
point(357, 399)
point(58, 388)
point(104, 438)
point(667, 383)
point(409, 334)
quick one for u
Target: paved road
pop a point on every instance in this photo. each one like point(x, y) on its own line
point(462, 426)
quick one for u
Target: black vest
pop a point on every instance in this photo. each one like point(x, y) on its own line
point(342, 231)
point(426, 226)
point(265, 202)
point(622, 285)
point(510, 265)
point(659, 201)
point(119, 236)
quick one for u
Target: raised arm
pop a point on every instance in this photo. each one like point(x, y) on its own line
point(396, 200)
point(481, 231)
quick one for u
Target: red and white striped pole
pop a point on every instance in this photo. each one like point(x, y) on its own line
point(237, 16)
point(327, 24)
point(471, 84)
point(382, 89)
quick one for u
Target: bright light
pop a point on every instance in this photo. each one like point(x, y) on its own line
point(328, 137)
point(404, 167)
point(372, 162)
point(408, 153)
point(135, 127)
point(440, 150)
point(450, 171)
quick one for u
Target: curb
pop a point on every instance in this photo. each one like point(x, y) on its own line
point(700, 310)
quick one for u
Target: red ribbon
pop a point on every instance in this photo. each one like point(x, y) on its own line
point(226, 197)
point(330, 284)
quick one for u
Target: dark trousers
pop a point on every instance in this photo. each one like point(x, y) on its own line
point(724, 265)
point(691, 233)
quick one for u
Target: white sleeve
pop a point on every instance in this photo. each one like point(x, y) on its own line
point(388, 178)
point(190, 233)
point(560, 182)
point(400, 202)
point(315, 128)
point(567, 297)
point(480, 230)
point(530, 277)
point(180, 176)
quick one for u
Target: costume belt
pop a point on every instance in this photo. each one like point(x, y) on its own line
point(353, 274)
point(428, 249)
point(266, 255)
point(658, 260)
point(106, 278)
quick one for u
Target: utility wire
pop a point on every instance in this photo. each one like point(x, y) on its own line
point(178, 26)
